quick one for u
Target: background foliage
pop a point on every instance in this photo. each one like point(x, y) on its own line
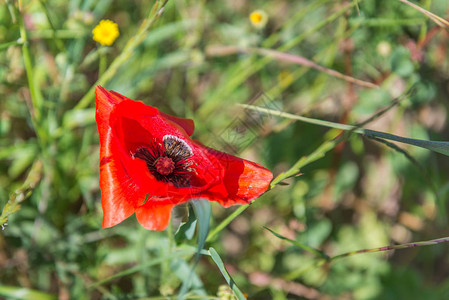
point(197, 59)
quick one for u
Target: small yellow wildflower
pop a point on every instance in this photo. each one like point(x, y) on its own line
point(258, 18)
point(105, 32)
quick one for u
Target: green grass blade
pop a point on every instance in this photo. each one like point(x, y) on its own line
point(302, 246)
point(438, 20)
point(186, 230)
point(202, 210)
point(7, 45)
point(217, 259)
point(436, 146)
point(305, 160)
point(394, 247)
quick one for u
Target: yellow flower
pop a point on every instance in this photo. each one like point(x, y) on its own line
point(258, 18)
point(105, 32)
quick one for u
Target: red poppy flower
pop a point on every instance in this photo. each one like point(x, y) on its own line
point(149, 164)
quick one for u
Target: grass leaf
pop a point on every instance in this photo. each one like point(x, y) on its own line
point(217, 259)
point(436, 146)
point(302, 246)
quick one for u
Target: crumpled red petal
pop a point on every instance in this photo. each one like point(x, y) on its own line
point(243, 180)
point(186, 124)
point(128, 186)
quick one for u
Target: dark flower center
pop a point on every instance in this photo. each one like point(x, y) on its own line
point(168, 161)
point(164, 165)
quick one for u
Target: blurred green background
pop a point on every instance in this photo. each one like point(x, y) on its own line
point(361, 194)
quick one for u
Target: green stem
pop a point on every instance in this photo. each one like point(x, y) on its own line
point(61, 34)
point(58, 42)
point(102, 63)
point(298, 273)
point(36, 109)
point(436, 146)
point(393, 247)
point(305, 160)
point(7, 45)
point(318, 263)
point(309, 249)
point(36, 97)
point(11, 11)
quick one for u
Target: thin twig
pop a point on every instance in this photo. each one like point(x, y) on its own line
point(438, 20)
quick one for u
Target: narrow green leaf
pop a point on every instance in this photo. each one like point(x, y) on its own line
point(6, 45)
point(202, 210)
point(436, 146)
point(186, 230)
point(217, 259)
point(305, 160)
point(438, 20)
point(393, 247)
point(302, 246)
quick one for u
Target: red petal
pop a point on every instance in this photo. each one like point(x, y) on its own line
point(153, 215)
point(242, 181)
point(104, 102)
point(118, 194)
point(186, 124)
